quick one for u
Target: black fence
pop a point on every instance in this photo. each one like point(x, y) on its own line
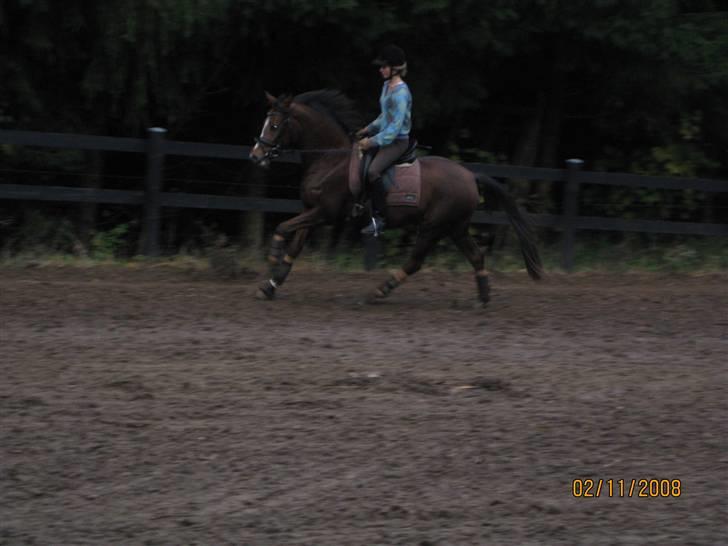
point(153, 198)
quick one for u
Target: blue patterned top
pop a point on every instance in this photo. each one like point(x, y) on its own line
point(395, 121)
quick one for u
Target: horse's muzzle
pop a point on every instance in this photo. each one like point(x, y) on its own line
point(262, 162)
point(259, 161)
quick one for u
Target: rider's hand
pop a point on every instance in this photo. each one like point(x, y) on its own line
point(361, 133)
point(365, 144)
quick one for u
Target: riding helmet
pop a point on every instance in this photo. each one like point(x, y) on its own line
point(391, 55)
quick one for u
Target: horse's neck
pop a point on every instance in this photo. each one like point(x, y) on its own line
point(319, 132)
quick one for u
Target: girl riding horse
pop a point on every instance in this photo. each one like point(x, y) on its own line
point(318, 123)
point(388, 135)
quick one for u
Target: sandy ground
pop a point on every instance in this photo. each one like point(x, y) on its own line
point(165, 407)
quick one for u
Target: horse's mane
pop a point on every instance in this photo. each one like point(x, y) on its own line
point(335, 104)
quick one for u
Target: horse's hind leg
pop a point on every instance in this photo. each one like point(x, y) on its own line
point(465, 242)
point(426, 240)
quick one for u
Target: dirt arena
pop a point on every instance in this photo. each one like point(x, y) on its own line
point(155, 406)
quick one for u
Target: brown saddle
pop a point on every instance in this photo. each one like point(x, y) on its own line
point(402, 181)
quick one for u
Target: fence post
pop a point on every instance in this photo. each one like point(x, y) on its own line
point(153, 189)
point(571, 209)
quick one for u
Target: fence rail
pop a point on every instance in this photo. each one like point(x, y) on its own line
point(152, 199)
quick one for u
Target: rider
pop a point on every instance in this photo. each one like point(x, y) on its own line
point(389, 133)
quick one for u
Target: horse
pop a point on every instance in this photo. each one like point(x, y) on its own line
point(320, 124)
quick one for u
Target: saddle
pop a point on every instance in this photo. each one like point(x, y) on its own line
point(402, 181)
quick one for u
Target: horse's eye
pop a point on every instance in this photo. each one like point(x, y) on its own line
point(275, 127)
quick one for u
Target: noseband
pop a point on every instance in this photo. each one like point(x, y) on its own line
point(271, 148)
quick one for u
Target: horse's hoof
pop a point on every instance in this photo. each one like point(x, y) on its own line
point(376, 297)
point(265, 292)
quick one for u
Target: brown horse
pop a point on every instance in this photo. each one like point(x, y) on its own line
point(319, 123)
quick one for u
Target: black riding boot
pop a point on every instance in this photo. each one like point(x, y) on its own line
point(379, 205)
point(360, 203)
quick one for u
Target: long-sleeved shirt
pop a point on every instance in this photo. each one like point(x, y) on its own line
point(395, 121)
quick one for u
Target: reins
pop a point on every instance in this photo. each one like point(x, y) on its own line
point(275, 149)
point(314, 151)
point(281, 150)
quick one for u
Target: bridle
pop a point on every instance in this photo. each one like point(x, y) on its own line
point(272, 148)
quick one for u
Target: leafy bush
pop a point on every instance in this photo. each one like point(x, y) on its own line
point(36, 233)
point(106, 245)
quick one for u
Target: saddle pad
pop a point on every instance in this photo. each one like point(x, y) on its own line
point(404, 184)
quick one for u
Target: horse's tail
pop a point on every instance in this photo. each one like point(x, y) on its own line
point(521, 223)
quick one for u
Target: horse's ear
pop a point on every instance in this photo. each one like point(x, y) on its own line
point(287, 100)
point(270, 98)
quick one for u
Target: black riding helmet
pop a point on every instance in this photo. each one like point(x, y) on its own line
point(392, 56)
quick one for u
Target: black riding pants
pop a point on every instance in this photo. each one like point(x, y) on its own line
point(386, 155)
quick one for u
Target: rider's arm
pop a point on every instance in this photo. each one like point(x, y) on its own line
point(398, 106)
point(374, 127)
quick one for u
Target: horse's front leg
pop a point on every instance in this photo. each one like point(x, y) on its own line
point(282, 255)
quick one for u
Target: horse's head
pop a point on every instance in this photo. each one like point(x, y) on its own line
point(276, 132)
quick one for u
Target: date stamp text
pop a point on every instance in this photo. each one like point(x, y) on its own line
point(649, 488)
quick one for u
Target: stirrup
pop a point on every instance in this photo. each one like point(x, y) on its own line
point(375, 227)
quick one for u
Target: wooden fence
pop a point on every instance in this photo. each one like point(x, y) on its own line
point(153, 198)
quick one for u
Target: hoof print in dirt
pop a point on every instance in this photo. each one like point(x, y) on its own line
point(466, 305)
point(487, 384)
point(491, 384)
